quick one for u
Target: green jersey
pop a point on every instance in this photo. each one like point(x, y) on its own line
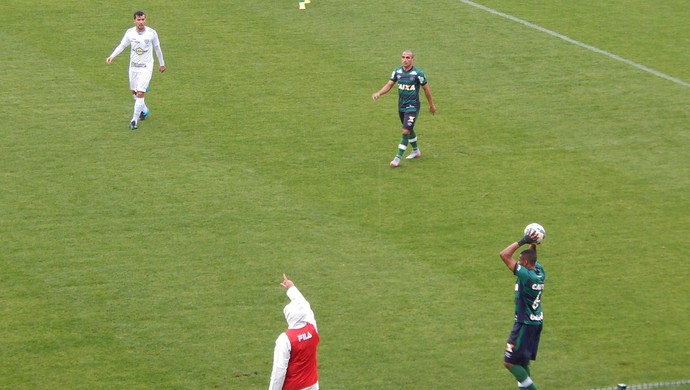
point(528, 289)
point(409, 84)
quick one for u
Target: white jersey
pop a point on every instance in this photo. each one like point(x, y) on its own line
point(142, 47)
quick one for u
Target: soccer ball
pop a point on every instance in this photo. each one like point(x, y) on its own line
point(535, 227)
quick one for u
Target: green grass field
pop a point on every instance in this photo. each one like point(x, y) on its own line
point(152, 258)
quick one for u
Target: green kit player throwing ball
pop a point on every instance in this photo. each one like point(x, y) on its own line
point(410, 79)
point(523, 341)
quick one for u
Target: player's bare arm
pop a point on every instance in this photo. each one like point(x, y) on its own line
point(507, 255)
point(429, 99)
point(376, 95)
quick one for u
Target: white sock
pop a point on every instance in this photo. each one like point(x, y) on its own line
point(139, 106)
point(526, 383)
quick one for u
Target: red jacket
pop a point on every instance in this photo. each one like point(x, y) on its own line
point(301, 370)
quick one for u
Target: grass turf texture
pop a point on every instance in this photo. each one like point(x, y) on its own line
point(151, 259)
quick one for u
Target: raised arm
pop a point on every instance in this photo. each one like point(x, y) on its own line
point(507, 254)
point(300, 308)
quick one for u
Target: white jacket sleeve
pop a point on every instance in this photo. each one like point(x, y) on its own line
point(281, 358)
point(298, 300)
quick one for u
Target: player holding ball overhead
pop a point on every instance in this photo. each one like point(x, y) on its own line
point(523, 341)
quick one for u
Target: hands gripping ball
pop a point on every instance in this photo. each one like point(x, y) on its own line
point(533, 228)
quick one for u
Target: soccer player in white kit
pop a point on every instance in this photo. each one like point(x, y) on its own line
point(143, 41)
point(302, 4)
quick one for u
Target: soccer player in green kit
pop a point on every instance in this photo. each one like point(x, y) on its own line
point(409, 79)
point(523, 341)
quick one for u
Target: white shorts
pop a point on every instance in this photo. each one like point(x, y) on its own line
point(139, 80)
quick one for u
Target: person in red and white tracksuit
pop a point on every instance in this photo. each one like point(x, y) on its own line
point(294, 356)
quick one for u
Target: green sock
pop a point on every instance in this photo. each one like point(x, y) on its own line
point(521, 373)
point(413, 139)
point(403, 145)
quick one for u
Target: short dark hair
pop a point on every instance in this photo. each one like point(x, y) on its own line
point(529, 255)
point(138, 14)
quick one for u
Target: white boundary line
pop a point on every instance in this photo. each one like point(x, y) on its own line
point(578, 43)
point(648, 385)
